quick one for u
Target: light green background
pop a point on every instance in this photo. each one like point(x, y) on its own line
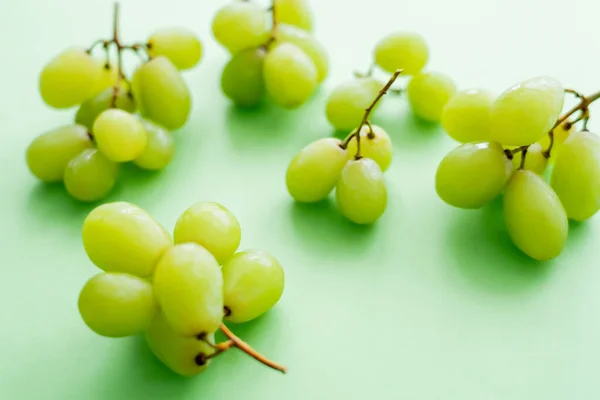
point(431, 303)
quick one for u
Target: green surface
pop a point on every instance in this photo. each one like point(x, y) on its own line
point(431, 303)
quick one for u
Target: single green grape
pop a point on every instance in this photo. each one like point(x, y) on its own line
point(407, 51)
point(90, 176)
point(160, 147)
point(253, 283)
point(109, 76)
point(189, 286)
point(119, 135)
point(314, 171)
point(212, 226)
point(560, 133)
point(242, 79)
point(240, 25)
point(180, 45)
point(466, 116)
point(117, 305)
point(294, 12)
point(347, 102)
point(375, 144)
point(428, 93)
point(361, 193)
point(535, 219)
point(121, 237)
point(48, 154)
point(308, 43)
point(90, 109)
point(535, 160)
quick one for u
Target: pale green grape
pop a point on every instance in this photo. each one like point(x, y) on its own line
point(561, 133)
point(119, 135)
point(535, 219)
point(466, 116)
point(308, 43)
point(290, 75)
point(402, 50)
point(48, 154)
point(212, 226)
point(314, 171)
point(117, 305)
point(90, 176)
point(69, 78)
point(94, 106)
point(161, 93)
point(347, 102)
point(534, 160)
point(242, 79)
point(160, 147)
point(253, 284)
point(361, 193)
point(576, 175)
point(375, 145)
point(428, 93)
point(189, 286)
point(472, 174)
point(121, 237)
point(183, 355)
point(240, 25)
point(109, 76)
point(180, 45)
point(294, 12)
point(526, 111)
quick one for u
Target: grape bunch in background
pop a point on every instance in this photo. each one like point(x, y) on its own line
point(118, 120)
point(276, 58)
point(176, 291)
point(518, 146)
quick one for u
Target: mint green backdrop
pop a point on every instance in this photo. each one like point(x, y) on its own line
point(431, 303)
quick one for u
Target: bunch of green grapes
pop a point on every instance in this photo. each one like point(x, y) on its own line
point(277, 58)
point(118, 120)
point(175, 290)
point(518, 146)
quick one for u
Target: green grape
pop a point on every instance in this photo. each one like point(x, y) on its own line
point(466, 116)
point(161, 93)
point(116, 305)
point(109, 76)
point(535, 219)
point(560, 133)
point(160, 147)
point(186, 356)
point(290, 75)
point(375, 145)
point(308, 43)
point(189, 286)
point(294, 12)
point(121, 237)
point(361, 193)
point(48, 154)
point(119, 135)
point(69, 78)
point(576, 175)
point(242, 79)
point(253, 283)
point(472, 174)
point(535, 160)
point(526, 111)
point(212, 226)
point(428, 93)
point(407, 51)
point(347, 102)
point(314, 171)
point(180, 45)
point(94, 106)
point(90, 176)
point(240, 25)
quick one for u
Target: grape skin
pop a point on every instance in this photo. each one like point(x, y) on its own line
point(242, 79)
point(160, 147)
point(308, 43)
point(240, 25)
point(428, 93)
point(534, 159)
point(90, 109)
point(466, 116)
point(294, 12)
point(119, 135)
point(180, 45)
point(561, 133)
point(402, 50)
point(108, 76)
point(377, 148)
point(90, 176)
point(347, 102)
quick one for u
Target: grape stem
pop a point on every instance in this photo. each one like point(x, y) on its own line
point(273, 25)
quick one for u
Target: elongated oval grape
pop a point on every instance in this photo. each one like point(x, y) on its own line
point(535, 219)
point(253, 283)
point(94, 106)
point(212, 226)
point(315, 170)
point(308, 43)
point(402, 50)
point(119, 135)
point(375, 145)
point(526, 111)
point(108, 78)
point(90, 176)
point(48, 154)
point(242, 79)
point(576, 175)
point(240, 25)
point(361, 193)
point(347, 102)
point(160, 147)
point(466, 116)
point(121, 237)
point(290, 75)
point(535, 160)
point(428, 94)
point(294, 12)
point(189, 286)
point(560, 133)
point(180, 45)
point(117, 305)
point(161, 93)
point(69, 78)
point(472, 174)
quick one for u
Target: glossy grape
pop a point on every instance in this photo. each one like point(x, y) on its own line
point(402, 50)
point(242, 79)
point(240, 25)
point(428, 94)
point(294, 12)
point(308, 43)
point(466, 116)
point(180, 45)
point(375, 145)
point(119, 135)
point(160, 147)
point(108, 76)
point(347, 102)
point(90, 109)
point(90, 176)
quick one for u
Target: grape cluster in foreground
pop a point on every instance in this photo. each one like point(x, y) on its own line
point(518, 146)
point(275, 57)
point(118, 120)
point(176, 291)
